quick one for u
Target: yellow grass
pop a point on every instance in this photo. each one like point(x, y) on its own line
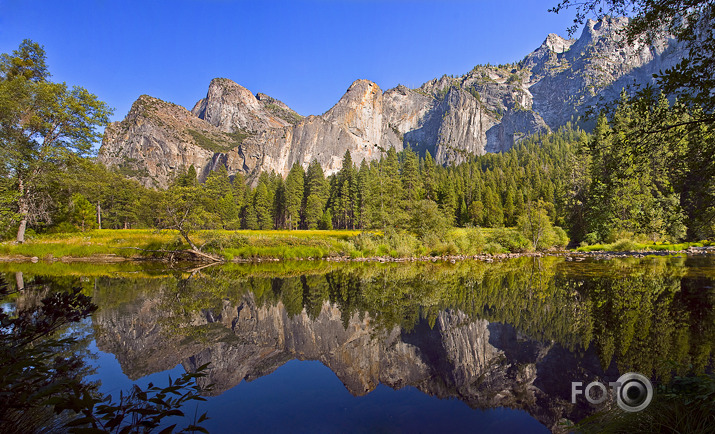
point(124, 243)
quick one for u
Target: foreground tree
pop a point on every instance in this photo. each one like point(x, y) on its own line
point(183, 208)
point(42, 374)
point(41, 125)
point(535, 225)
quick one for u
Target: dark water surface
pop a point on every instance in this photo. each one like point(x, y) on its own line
point(325, 347)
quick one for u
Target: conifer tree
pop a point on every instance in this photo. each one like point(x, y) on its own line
point(294, 191)
point(316, 194)
point(364, 196)
point(429, 169)
point(393, 204)
point(262, 205)
point(346, 189)
point(411, 182)
point(493, 212)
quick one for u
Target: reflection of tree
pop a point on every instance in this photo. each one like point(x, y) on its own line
point(640, 312)
point(43, 353)
point(39, 361)
point(641, 318)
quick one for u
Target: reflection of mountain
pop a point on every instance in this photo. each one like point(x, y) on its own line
point(507, 334)
point(483, 364)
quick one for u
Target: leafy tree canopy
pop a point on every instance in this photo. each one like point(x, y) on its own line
point(41, 125)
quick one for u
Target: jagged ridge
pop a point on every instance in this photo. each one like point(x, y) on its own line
point(486, 110)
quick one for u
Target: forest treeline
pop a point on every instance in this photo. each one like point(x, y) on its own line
point(600, 187)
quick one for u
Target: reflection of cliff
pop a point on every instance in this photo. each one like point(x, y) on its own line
point(484, 364)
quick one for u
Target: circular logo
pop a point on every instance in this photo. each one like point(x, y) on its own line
point(635, 392)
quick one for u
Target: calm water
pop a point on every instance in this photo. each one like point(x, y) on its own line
point(320, 347)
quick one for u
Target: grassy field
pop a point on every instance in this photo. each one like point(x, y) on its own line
point(109, 244)
point(634, 246)
point(245, 244)
point(230, 244)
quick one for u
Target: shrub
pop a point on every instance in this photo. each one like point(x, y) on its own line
point(444, 249)
point(591, 238)
point(431, 240)
point(493, 248)
point(468, 241)
point(511, 240)
point(345, 247)
point(623, 246)
point(427, 219)
point(62, 228)
point(561, 239)
point(402, 243)
point(366, 242)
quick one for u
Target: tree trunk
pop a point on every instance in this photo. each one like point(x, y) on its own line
point(21, 230)
point(20, 280)
point(23, 210)
point(99, 216)
point(196, 251)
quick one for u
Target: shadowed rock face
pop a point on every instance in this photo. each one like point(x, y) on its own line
point(484, 364)
point(486, 110)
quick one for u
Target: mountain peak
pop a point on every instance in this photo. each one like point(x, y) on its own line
point(232, 108)
point(556, 43)
point(487, 110)
point(362, 83)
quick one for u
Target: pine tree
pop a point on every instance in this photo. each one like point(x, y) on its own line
point(346, 189)
point(82, 211)
point(294, 191)
point(364, 196)
point(219, 198)
point(476, 213)
point(393, 204)
point(316, 194)
point(262, 206)
point(509, 208)
point(411, 182)
point(429, 169)
point(448, 199)
point(493, 212)
point(279, 204)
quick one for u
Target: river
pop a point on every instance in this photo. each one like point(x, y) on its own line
point(315, 346)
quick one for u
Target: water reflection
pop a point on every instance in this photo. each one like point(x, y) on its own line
point(511, 334)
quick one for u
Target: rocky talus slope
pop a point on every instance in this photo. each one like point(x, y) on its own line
point(486, 110)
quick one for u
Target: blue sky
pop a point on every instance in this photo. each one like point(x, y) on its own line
point(305, 53)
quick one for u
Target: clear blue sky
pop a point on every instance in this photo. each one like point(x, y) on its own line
point(305, 53)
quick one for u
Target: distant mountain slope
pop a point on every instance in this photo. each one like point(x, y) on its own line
point(486, 110)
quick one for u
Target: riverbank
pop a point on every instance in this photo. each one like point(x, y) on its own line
point(108, 246)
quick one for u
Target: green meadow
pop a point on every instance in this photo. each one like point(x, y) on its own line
point(108, 245)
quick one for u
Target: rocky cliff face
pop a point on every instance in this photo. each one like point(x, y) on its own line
point(484, 364)
point(232, 108)
point(569, 76)
point(486, 110)
point(158, 138)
